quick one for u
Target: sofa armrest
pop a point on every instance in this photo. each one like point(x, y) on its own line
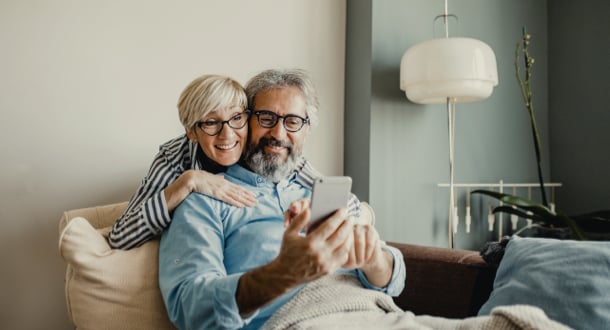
point(444, 282)
point(99, 216)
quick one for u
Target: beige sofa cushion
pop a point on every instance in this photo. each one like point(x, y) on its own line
point(113, 289)
point(106, 288)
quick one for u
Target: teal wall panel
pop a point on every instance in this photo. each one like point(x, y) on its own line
point(579, 48)
point(408, 143)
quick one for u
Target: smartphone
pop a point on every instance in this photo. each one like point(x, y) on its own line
point(329, 194)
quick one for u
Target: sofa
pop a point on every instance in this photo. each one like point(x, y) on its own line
point(106, 288)
point(568, 280)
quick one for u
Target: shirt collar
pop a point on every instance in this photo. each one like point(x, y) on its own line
point(239, 172)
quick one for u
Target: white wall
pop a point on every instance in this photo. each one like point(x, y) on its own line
point(88, 92)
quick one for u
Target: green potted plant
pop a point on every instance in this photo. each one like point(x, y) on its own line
point(545, 222)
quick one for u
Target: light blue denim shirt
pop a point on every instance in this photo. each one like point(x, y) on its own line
point(210, 244)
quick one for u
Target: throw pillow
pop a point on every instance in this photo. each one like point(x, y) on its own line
point(110, 289)
point(569, 280)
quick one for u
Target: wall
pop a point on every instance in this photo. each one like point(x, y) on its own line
point(408, 143)
point(358, 96)
point(88, 92)
point(579, 48)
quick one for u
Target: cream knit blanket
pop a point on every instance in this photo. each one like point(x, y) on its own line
point(340, 302)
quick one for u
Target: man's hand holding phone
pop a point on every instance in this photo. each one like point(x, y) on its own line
point(333, 240)
point(304, 258)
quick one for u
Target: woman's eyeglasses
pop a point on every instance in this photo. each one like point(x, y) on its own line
point(214, 127)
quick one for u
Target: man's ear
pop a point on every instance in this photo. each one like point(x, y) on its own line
point(307, 129)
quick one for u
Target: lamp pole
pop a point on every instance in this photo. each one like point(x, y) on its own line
point(451, 124)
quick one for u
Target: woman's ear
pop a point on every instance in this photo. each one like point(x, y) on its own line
point(191, 135)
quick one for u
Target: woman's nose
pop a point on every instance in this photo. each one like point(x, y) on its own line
point(226, 131)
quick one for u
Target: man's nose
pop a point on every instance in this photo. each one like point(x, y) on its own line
point(279, 131)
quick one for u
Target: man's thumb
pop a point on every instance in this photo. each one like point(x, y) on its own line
point(298, 222)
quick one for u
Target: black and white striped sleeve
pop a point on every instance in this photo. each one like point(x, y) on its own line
point(147, 215)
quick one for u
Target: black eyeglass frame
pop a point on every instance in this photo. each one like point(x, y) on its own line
point(246, 112)
point(304, 121)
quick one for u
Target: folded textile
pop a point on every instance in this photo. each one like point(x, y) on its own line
point(340, 302)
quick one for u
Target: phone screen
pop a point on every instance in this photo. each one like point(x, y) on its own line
point(329, 194)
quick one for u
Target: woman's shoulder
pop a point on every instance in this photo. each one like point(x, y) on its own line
point(305, 167)
point(177, 147)
point(177, 151)
point(177, 143)
point(306, 173)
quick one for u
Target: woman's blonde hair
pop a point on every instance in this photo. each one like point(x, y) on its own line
point(206, 94)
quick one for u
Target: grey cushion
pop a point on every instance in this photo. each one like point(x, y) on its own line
point(569, 280)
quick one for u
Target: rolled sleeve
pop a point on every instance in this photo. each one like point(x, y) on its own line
point(225, 305)
point(397, 281)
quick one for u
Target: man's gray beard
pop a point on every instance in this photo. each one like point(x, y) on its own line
point(270, 166)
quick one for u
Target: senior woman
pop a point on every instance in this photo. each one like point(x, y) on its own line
point(213, 111)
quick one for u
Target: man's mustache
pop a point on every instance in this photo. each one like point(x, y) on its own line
point(273, 142)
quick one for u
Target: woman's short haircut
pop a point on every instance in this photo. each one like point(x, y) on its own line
point(206, 94)
point(277, 79)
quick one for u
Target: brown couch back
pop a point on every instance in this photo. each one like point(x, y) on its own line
point(444, 282)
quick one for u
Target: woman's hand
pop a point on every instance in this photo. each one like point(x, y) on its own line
point(208, 184)
point(216, 186)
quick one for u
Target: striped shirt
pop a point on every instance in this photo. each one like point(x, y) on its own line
point(146, 215)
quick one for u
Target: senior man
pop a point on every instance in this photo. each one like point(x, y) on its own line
point(222, 266)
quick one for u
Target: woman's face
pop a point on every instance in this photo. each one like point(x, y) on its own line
point(224, 147)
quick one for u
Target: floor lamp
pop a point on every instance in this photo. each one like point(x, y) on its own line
point(448, 71)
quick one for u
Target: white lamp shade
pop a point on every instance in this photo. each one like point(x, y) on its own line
point(461, 68)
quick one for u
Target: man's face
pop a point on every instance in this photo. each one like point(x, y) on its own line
point(273, 152)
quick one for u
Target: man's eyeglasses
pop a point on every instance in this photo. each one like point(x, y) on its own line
point(292, 123)
point(213, 127)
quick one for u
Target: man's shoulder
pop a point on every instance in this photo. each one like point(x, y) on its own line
point(195, 199)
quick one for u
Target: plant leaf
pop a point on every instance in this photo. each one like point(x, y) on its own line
point(518, 212)
point(544, 219)
point(603, 215)
point(597, 221)
point(520, 202)
point(574, 226)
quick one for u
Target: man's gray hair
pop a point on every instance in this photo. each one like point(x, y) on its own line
point(282, 78)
